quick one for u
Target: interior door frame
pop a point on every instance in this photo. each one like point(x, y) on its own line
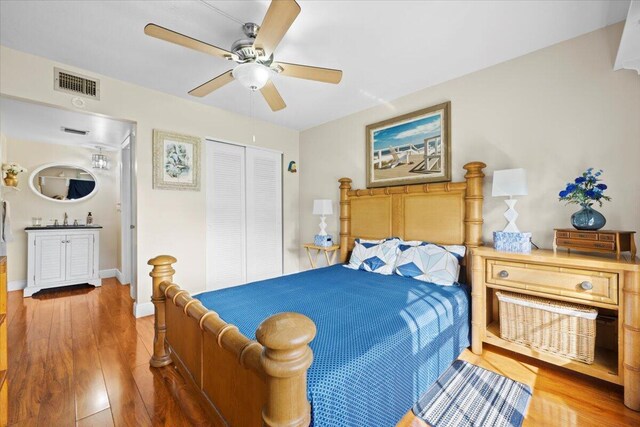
point(128, 214)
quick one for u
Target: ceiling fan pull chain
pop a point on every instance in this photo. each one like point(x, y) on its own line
point(253, 124)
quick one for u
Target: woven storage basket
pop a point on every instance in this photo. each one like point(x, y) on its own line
point(564, 329)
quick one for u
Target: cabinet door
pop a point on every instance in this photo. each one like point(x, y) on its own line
point(50, 259)
point(79, 256)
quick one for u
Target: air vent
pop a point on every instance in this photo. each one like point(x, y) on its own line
point(74, 131)
point(77, 84)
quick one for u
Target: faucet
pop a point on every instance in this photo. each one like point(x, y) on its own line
point(66, 219)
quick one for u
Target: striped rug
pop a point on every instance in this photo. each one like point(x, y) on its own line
point(467, 395)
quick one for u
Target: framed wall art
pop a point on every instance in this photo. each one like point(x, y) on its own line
point(176, 161)
point(410, 149)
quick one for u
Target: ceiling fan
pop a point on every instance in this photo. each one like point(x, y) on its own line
point(254, 55)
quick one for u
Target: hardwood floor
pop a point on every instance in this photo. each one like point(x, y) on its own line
point(78, 357)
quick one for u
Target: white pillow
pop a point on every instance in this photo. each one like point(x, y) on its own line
point(427, 262)
point(457, 250)
point(376, 256)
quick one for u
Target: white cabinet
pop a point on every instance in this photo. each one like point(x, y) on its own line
point(62, 257)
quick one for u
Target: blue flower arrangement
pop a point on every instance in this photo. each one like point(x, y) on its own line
point(585, 189)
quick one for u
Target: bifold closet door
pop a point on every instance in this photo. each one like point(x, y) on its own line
point(226, 220)
point(264, 214)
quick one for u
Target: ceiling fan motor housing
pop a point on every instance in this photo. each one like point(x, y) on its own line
point(245, 51)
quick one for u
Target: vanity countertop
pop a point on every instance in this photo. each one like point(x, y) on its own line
point(64, 227)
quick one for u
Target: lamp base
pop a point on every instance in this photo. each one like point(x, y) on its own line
point(511, 215)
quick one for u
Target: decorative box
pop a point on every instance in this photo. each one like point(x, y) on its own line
point(325, 240)
point(516, 242)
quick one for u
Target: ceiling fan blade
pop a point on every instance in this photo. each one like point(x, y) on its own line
point(326, 75)
point(272, 96)
point(213, 84)
point(275, 24)
point(165, 34)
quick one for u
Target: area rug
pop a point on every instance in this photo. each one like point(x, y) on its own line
point(467, 395)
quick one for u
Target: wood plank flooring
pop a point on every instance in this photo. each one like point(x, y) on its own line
point(78, 357)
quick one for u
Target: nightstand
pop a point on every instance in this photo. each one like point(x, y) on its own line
point(330, 253)
point(610, 285)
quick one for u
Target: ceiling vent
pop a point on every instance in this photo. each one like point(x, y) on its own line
point(65, 81)
point(74, 131)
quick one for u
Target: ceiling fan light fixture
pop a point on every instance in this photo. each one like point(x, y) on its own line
point(252, 75)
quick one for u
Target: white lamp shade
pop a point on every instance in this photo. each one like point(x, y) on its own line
point(509, 182)
point(322, 207)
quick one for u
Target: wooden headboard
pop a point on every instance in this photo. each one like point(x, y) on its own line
point(444, 213)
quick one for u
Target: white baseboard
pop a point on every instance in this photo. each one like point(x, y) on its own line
point(108, 272)
point(143, 309)
point(120, 277)
point(16, 285)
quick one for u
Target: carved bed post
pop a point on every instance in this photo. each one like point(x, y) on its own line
point(472, 239)
point(285, 360)
point(162, 272)
point(345, 218)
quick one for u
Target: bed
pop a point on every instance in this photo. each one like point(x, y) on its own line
point(256, 356)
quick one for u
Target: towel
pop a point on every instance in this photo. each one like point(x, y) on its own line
point(7, 235)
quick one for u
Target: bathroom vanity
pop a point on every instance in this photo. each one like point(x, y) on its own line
point(62, 256)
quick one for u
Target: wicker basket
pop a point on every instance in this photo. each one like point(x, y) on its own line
point(564, 329)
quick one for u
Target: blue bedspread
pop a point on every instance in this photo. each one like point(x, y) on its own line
point(381, 341)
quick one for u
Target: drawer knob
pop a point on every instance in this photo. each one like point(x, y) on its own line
point(587, 286)
point(504, 274)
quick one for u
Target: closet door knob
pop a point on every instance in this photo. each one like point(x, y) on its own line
point(587, 286)
point(504, 274)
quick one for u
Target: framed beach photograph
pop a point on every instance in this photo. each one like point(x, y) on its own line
point(176, 161)
point(410, 149)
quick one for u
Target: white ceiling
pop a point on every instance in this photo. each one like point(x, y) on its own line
point(36, 122)
point(386, 49)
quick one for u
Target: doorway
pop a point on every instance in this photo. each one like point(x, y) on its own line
point(34, 134)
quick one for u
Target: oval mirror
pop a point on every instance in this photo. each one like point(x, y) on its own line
point(63, 183)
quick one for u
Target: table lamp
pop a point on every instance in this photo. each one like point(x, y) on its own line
point(509, 183)
point(323, 207)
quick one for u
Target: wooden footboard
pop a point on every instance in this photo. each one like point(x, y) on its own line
point(246, 382)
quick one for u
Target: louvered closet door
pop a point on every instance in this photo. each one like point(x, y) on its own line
point(264, 214)
point(226, 235)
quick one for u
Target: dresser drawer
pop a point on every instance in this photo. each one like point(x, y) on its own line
point(583, 236)
point(590, 244)
point(606, 237)
point(575, 283)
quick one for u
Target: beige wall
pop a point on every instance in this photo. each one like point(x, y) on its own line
point(25, 204)
point(554, 112)
point(171, 222)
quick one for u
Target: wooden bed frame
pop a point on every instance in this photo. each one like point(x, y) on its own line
point(250, 383)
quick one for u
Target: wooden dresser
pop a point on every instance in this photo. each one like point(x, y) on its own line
point(610, 285)
point(4, 388)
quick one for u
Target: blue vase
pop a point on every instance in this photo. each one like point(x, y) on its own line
point(588, 218)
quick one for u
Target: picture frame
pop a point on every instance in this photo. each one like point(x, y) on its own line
point(176, 161)
point(413, 148)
